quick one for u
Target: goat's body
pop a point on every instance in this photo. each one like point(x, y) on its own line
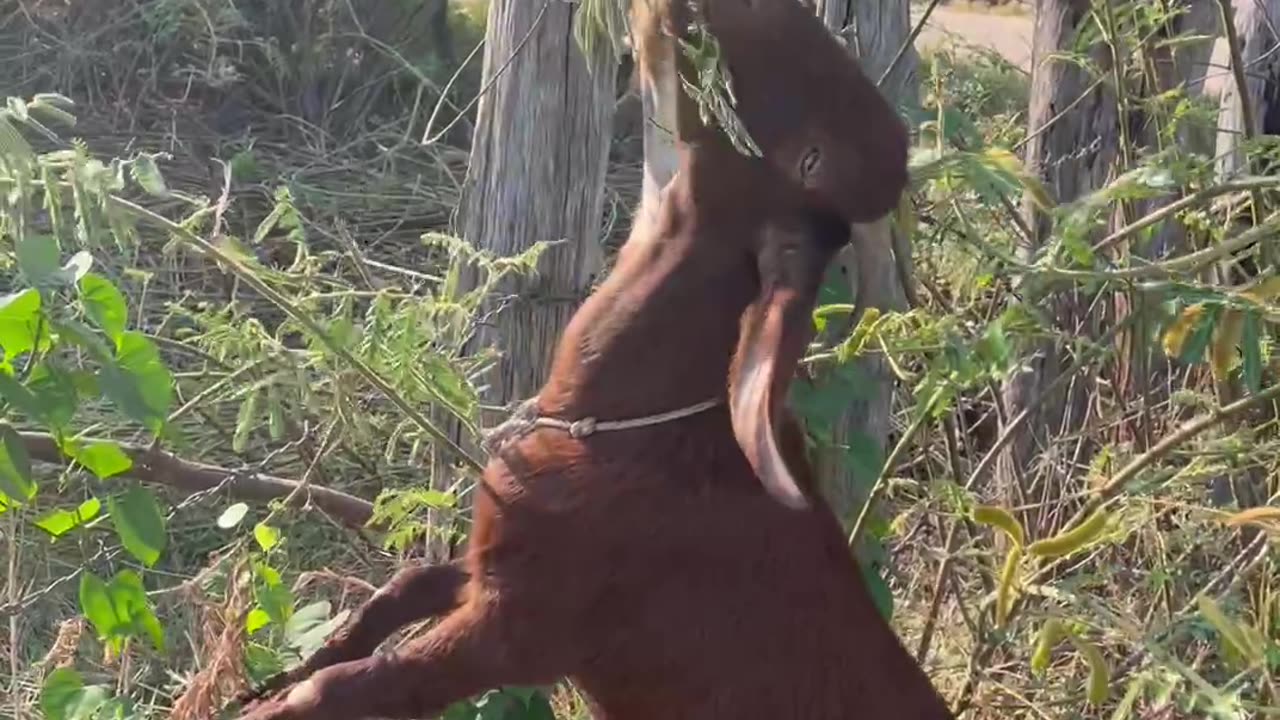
point(686, 570)
point(688, 611)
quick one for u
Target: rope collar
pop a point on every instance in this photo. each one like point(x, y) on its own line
point(526, 419)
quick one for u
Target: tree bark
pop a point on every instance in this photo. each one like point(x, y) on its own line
point(1072, 152)
point(875, 33)
point(537, 173)
point(1255, 26)
point(537, 170)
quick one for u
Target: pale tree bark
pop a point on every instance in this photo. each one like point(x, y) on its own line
point(537, 170)
point(1072, 152)
point(1256, 27)
point(875, 33)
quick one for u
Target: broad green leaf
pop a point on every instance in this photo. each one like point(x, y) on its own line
point(256, 620)
point(19, 396)
point(139, 523)
point(15, 466)
point(104, 304)
point(865, 458)
point(61, 522)
point(272, 595)
point(129, 597)
point(96, 605)
point(147, 174)
point(21, 326)
point(37, 258)
point(103, 458)
point(59, 691)
point(4, 503)
point(305, 618)
point(138, 381)
point(53, 391)
point(65, 697)
point(267, 536)
point(232, 516)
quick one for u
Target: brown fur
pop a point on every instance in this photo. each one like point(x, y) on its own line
point(649, 565)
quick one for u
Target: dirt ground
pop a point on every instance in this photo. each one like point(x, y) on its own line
point(1009, 33)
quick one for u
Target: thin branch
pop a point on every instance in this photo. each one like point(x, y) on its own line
point(162, 468)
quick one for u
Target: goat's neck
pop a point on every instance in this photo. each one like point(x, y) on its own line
point(659, 333)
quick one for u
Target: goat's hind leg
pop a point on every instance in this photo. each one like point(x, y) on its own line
point(469, 651)
point(414, 593)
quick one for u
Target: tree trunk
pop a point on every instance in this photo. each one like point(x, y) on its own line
point(538, 161)
point(874, 32)
point(1072, 152)
point(1255, 25)
point(537, 172)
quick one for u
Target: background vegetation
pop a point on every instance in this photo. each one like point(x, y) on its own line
point(234, 295)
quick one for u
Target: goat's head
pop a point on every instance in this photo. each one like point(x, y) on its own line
point(834, 155)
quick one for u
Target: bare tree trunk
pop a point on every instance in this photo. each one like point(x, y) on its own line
point(1256, 23)
point(537, 172)
point(1072, 152)
point(875, 33)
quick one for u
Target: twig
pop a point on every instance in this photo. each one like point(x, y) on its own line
point(163, 468)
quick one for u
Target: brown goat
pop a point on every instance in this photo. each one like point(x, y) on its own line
point(674, 559)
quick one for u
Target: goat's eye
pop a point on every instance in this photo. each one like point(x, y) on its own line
point(809, 163)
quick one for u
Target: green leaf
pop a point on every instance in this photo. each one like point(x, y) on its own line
point(147, 174)
point(1251, 351)
point(61, 522)
point(103, 458)
point(37, 258)
point(267, 536)
point(19, 396)
point(138, 381)
point(104, 304)
point(15, 466)
point(272, 595)
point(129, 597)
point(866, 459)
point(61, 688)
point(232, 516)
point(96, 605)
point(53, 391)
point(256, 620)
point(138, 522)
point(21, 325)
point(65, 697)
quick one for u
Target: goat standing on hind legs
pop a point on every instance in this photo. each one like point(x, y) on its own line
point(673, 559)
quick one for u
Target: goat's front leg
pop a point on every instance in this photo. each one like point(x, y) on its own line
point(414, 593)
point(470, 651)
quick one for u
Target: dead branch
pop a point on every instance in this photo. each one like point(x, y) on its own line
point(162, 468)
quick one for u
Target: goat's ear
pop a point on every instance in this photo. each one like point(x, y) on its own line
point(776, 329)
